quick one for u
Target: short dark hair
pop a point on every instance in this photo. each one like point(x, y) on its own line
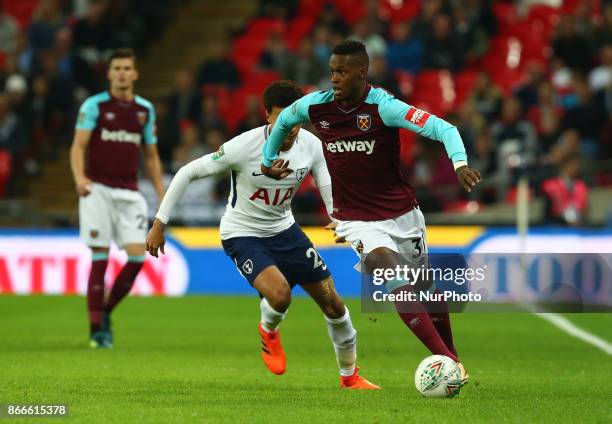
point(123, 53)
point(352, 48)
point(281, 94)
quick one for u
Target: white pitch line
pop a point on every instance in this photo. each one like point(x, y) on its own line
point(567, 326)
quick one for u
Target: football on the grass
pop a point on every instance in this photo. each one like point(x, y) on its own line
point(438, 376)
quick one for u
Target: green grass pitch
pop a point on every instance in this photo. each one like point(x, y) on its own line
point(197, 359)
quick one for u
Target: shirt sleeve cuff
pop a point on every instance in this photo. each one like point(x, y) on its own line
point(459, 164)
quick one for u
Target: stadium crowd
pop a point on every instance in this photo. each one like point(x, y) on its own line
point(53, 55)
point(527, 82)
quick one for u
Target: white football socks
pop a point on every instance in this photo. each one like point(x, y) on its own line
point(344, 338)
point(270, 318)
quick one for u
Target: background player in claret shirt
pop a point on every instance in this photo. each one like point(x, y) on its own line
point(374, 207)
point(113, 127)
point(259, 233)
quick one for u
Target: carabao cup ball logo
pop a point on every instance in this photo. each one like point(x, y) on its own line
point(364, 122)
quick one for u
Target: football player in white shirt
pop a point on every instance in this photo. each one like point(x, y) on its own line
point(259, 233)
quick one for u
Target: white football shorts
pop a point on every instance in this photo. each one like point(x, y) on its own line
point(108, 213)
point(404, 234)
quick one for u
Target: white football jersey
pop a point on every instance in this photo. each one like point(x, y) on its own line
point(257, 206)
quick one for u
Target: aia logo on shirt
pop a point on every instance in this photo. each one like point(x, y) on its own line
point(364, 122)
point(417, 116)
point(273, 198)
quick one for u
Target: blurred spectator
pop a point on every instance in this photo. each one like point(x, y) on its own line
point(545, 116)
point(40, 117)
point(189, 148)
point(283, 9)
point(92, 33)
point(305, 68)
point(184, 101)
point(469, 123)
point(423, 24)
point(566, 196)
point(379, 21)
point(527, 91)
point(483, 157)
point(481, 15)
point(380, 75)
point(363, 31)
point(9, 31)
point(601, 76)
point(332, 20)
point(442, 49)
point(433, 176)
point(168, 133)
point(515, 138)
point(586, 117)
point(13, 136)
point(275, 56)
point(570, 46)
point(603, 33)
point(474, 40)
point(253, 118)
point(210, 117)
point(46, 19)
point(322, 43)
point(405, 50)
point(128, 28)
point(486, 97)
point(16, 89)
point(218, 67)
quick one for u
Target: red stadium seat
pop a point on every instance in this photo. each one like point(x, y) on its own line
point(21, 10)
point(464, 83)
point(506, 16)
point(5, 170)
point(435, 91)
point(405, 82)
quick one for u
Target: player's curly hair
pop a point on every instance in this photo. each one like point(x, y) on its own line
point(281, 94)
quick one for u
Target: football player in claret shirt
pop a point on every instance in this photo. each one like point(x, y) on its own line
point(260, 235)
point(374, 206)
point(112, 129)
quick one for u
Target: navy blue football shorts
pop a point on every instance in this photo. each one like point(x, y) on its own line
point(291, 252)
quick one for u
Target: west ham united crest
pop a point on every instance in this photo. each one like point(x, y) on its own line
point(300, 174)
point(364, 122)
point(142, 117)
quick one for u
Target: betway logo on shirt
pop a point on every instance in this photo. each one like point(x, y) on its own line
point(341, 146)
point(121, 136)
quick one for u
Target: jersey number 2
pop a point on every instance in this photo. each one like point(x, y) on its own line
point(317, 261)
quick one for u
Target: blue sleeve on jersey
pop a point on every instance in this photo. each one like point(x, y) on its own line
point(394, 113)
point(88, 115)
point(150, 136)
point(287, 119)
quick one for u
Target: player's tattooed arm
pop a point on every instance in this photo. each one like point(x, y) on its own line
point(77, 162)
point(279, 169)
point(468, 177)
point(155, 239)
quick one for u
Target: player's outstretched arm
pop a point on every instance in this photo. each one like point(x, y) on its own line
point(291, 116)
